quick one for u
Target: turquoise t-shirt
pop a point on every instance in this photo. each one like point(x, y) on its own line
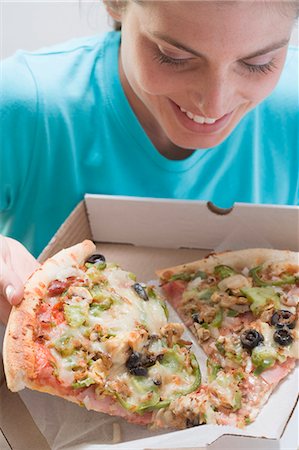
point(67, 129)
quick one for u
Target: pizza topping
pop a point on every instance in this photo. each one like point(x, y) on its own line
point(283, 318)
point(196, 318)
point(76, 313)
point(203, 334)
point(263, 357)
point(283, 337)
point(154, 382)
point(184, 276)
point(173, 333)
point(225, 391)
point(223, 271)
point(138, 363)
point(190, 276)
point(260, 297)
point(57, 287)
point(96, 258)
point(230, 311)
point(234, 282)
point(251, 338)
point(139, 289)
point(101, 337)
point(283, 278)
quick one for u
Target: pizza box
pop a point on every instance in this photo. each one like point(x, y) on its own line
point(143, 235)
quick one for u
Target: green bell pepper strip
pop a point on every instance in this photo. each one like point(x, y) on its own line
point(258, 281)
point(200, 274)
point(206, 294)
point(188, 276)
point(220, 348)
point(213, 369)
point(165, 309)
point(259, 297)
point(237, 400)
point(145, 384)
point(97, 308)
point(217, 321)
point(141, 385)
point(65, 344)
point(76, 314)
point(83, 383)
point(184, 276)
point(263, 357)
point(224, 271)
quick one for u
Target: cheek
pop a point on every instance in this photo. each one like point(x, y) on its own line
point(154, 80)
point(148, 76)
point(264, 84)
point(257, 91)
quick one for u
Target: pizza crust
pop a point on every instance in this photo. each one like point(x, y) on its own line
point(238, 260)
point(18, 345)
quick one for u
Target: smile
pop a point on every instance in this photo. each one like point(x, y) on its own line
point(199, 124)
point(198, 119)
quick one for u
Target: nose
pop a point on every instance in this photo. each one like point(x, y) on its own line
point(214, 93)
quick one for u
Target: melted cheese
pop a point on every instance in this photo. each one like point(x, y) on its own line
point(115, 323)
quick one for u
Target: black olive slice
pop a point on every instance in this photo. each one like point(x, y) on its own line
point(140, 291)
point(138, 363)
point(251, 338)
point(96, 258)
point(282, 318)
point(139, 371)
point(282, 337)
point(133, 360)
point(196, 318)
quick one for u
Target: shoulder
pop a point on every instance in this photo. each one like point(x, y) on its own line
point(49, 70)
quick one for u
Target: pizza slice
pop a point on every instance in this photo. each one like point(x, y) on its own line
point(87, 331)
point(242, 307)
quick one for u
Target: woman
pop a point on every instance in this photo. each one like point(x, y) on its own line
point(193, 100)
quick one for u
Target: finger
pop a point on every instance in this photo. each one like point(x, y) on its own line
point(11, 287)
point(19, 259)
point(5, 309)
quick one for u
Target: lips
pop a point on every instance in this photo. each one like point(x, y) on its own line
point(200, 124)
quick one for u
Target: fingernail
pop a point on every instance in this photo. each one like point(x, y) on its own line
point(9, 292)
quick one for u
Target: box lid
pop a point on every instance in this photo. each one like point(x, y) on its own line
point(191, 224)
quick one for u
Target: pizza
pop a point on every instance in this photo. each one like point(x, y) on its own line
point(87, 331)
point(242, 307)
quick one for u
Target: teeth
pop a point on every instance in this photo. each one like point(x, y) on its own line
point(209, 120)
point(198, 119)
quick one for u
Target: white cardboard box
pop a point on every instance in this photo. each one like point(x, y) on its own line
point(143, 235)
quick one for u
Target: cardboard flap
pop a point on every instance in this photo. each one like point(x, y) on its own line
point(138, 221)
point(17, 426)
point(3, 442)
point(75, 229)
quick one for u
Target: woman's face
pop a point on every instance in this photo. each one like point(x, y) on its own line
point(192, 69)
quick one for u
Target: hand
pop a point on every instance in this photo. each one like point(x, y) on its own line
point(16, 265)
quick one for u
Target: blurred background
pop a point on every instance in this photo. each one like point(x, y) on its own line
point(34, 24)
